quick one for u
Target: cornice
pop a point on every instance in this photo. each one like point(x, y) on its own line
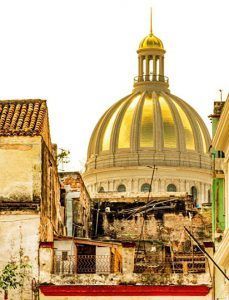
point(221, 139)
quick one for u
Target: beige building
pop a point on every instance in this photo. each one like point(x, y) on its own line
point(30, 211)
point(221, 143)
point(77, 204)
point(148, 127)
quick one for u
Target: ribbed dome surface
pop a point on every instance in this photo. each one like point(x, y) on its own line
point(149, 127)
point(151, 41)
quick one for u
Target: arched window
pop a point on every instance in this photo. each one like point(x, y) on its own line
point(171, 188)
point(194, 193)
point(101, 189)
point(145, 187)
point(209, 196)
point(121, 188)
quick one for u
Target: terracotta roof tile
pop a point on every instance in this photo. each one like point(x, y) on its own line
point(22, 117)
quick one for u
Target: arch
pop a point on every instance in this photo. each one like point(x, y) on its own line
point(171, 188)
point(121, 188)
point(194, 193)
point(101, 190)
point(145, 187)
point(209, 196)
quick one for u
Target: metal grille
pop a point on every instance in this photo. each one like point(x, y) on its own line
point(93, 264)
point(83, 264)
point(179, 264)
point(66, 265)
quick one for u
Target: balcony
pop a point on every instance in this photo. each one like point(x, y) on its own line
point(181, 263)
point(151, 78)
point(86, 264)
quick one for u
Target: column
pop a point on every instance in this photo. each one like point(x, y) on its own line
point(154, 68)
point(147, 68)
point(162, 62)
point(139, 68)
point(160, 69)
point(188, 187)
point(203, 198)
point(156, 186)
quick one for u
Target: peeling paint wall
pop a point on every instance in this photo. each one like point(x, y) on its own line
point(29, 205)
point(78, 204)
point(19, 236)
point(20, 165)
point(169, 228)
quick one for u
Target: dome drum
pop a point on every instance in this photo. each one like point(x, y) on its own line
point(144, 158)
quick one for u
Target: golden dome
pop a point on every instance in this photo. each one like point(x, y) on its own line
point(150, 128)
point(151, 41)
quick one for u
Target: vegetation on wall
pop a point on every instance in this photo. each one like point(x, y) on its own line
point(12, 276)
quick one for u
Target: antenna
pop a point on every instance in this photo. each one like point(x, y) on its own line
point(221, 95)
point(151, 21)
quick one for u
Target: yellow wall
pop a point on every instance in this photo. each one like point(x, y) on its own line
point(20, 165)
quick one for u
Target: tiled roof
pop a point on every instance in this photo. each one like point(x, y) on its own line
point(22, 117)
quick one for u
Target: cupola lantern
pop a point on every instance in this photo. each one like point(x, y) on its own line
point(151, 62)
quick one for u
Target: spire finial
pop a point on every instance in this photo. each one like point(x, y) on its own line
point(151, 21)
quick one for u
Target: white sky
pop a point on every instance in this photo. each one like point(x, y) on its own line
point(81, 56)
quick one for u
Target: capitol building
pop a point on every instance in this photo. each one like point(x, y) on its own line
point(149, 131)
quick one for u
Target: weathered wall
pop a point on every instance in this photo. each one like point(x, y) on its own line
point(171, 227)
point(77, 204)
point(128, 260)
point(20, 165)
point(29, 204)
point(20, 183)
point(19, 236)
point(50, 207)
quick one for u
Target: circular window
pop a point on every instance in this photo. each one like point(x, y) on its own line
point(121, 188)
point(171, 188)
point(145, 187)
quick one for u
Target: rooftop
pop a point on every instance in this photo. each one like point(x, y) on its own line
point(22, 117)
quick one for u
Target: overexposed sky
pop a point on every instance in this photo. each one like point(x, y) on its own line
point(81, 57)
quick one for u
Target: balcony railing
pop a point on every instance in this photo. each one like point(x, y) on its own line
point(179, 264)
point(85, 264)
point(151, 78)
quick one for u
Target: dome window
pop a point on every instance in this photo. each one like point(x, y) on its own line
point(145, 188)
point(101, 189)
point(209, 196)
point(171, 188)
point(121, 188)
point(194, 193)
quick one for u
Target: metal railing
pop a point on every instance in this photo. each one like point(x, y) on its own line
point(179, 264)
point(83, 264)
point(151, 78)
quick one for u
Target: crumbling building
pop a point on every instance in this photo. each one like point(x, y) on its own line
point(30, 208)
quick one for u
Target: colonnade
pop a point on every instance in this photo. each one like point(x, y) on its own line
point(150, 68)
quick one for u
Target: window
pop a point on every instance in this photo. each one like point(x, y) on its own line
point(101, 189)
point(64, 255)
point(145, 188)
point(171, 188)
point(209, 196)
point(121, 188)
point(194, 193)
